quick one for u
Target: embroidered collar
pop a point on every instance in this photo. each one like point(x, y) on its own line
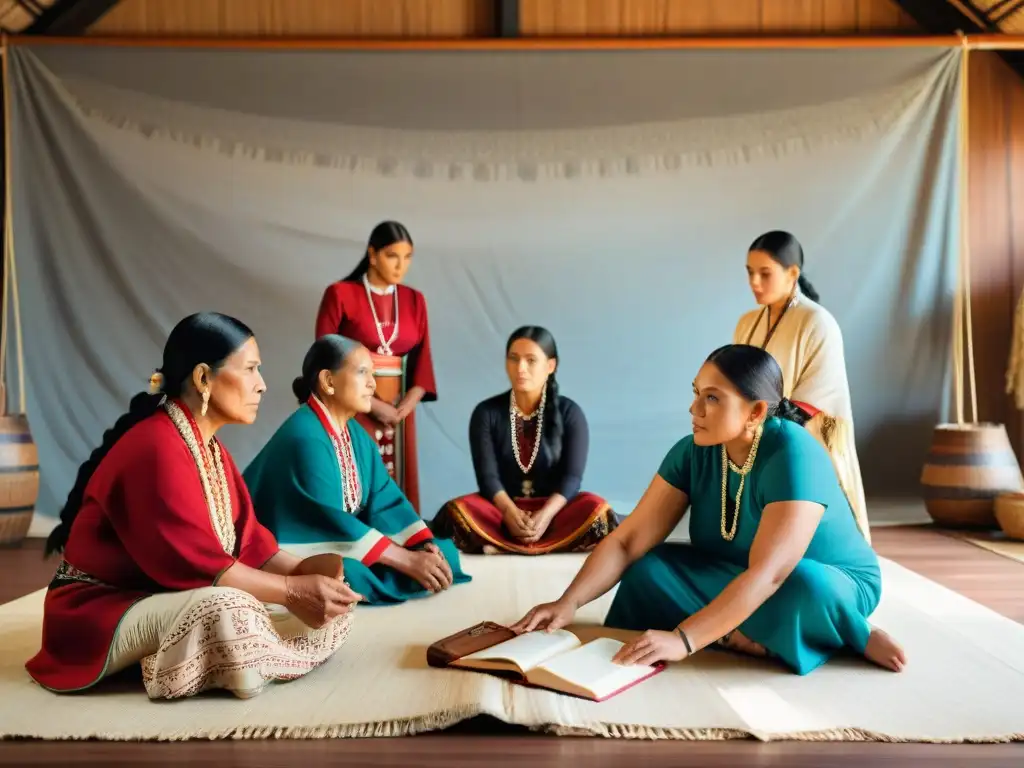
point(341, 439)
point(321, 410)
point(379, 291)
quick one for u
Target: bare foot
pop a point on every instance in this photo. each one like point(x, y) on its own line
point(737, 641)
point(884, 651)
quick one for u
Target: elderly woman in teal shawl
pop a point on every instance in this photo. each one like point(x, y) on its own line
point(320, 485)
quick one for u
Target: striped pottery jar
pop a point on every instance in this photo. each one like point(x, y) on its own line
point(19, 478)
point(967, 467)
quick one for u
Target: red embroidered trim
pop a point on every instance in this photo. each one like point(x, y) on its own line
point(352, 492)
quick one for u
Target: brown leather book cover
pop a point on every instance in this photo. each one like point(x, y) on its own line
point(479, 637)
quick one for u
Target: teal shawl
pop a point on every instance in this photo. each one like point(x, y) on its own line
point(296, 488)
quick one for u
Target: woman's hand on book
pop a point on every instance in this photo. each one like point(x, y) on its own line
point(548, 616)
point(651, 647)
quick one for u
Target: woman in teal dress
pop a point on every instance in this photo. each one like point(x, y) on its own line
point(321, 485)
point(774, 566)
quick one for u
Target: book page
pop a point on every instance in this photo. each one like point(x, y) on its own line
point(590, 667)
point(528, 650)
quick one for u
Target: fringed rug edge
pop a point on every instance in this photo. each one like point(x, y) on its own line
point(382, 729)
point(653, 733)
point(441, 720)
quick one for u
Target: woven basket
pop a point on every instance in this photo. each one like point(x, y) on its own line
point(1010, 514)
point(967, 467)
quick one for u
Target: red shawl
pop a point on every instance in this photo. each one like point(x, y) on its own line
point(144, 527)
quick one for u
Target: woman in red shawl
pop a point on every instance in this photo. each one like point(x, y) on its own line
point(164, 562)
point(372, 306)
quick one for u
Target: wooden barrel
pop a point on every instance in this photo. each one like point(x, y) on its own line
point(19, 478)
point(967, 467)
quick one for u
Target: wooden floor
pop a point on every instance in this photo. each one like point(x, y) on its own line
point(987, 578)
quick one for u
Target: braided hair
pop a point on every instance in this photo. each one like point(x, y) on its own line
point(205, 337)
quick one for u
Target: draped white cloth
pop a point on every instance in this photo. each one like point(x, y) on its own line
point(609, 196)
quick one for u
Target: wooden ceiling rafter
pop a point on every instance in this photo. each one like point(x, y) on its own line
point(966, 17)
point(69, 17)
point(72, 18)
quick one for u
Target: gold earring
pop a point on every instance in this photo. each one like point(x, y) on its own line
point(206, 402)
point(330, 390)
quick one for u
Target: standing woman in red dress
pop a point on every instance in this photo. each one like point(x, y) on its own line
point(372, 306)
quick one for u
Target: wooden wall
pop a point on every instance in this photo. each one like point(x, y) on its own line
point(702, 17)
point(997, 98)
point(475, 18)
point(996, 201)
point(299, 18)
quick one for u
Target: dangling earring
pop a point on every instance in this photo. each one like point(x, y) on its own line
point(206, 402)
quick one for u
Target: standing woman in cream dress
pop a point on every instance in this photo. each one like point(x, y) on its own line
point(806, 341)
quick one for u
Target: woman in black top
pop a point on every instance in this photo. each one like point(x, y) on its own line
point(529, 448)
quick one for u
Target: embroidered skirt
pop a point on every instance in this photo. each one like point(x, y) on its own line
point(186, 642)
point(475, 525)
point(219, 638)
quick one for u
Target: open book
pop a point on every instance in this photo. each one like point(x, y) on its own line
point(557, 660)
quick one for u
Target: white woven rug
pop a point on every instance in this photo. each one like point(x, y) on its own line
point(964, 681)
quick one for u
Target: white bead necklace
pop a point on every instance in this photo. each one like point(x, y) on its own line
point(513, 412)
point(385, 344)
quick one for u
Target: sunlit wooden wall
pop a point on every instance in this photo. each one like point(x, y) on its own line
point(475, 18)
point(688, 17)
point(996, 199)
point(997, 97)
point(299, 18)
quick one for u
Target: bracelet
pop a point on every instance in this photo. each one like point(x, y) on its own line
point(686, 641)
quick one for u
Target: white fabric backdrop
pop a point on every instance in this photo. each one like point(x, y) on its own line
point(608, 196)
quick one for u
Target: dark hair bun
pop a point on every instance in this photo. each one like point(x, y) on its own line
point(301, 389)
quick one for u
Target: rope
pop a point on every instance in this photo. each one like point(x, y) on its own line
point(10, 268)
point(962, 320)
point(6, 268)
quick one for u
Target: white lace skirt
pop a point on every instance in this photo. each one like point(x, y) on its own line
point(218, 637)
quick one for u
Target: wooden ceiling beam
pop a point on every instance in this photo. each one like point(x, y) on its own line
point(69, 18)
point(506, 18)
point(944, 17)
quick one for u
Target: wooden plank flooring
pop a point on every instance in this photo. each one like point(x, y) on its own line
point(983, 576)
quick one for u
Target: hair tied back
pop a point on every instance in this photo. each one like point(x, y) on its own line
point(790, 411)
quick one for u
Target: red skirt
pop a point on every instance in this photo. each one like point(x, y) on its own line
point(397, 445)
point(473, 523)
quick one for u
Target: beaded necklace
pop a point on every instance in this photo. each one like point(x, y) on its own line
point(743, 471)
point(212, 476)
point(514, 414)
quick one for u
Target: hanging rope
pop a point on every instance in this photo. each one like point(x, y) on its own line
point(962, 321)
point(10, 282)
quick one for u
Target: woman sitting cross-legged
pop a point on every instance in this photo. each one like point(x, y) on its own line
point(164, 562)
point(775, 566)
point(321, 486)
point(529, 449)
